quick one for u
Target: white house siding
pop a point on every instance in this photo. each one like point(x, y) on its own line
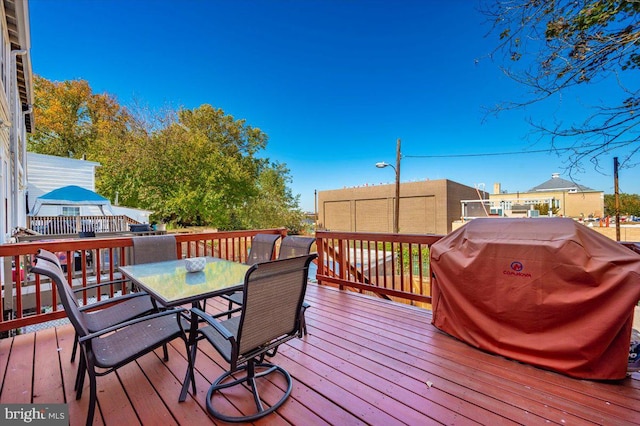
point(16, 99)
point(48, 172)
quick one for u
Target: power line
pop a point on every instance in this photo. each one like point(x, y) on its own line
point(493, 154)
point(477, 155)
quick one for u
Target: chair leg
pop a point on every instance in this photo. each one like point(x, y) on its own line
point(250, 379)
point(80, 377)
point(92, 399)
point(230, 308)
point(81, 372)
point(303, 322)
point(303, 327)
point(75, 348)
point(165, 353)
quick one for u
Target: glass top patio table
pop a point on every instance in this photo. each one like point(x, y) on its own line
point(171, 285)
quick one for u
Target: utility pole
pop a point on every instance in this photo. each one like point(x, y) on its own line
point(381, 165)
point(617, 196)
point(396, 219)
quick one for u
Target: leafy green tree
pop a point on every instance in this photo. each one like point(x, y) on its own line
point(210, 169)
point(553, 46)
point(191, 167)
point(274, 205)
point(72, 121)
point(202, 168)
point(629, 204)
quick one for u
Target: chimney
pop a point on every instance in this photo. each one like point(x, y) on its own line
point(555, 175)
point(496, 188)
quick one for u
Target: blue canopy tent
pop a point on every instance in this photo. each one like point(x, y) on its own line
point(72, 195)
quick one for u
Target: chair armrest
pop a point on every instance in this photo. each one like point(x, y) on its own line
point(213, 323)
point(115, 299)
point(226, 313)
point(113, 328)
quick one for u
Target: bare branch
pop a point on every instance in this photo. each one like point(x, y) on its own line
point(550, 46)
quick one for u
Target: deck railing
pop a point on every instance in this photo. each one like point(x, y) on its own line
point(28, 299)
point(62, 225)
point(390, 266)
point(393, 266)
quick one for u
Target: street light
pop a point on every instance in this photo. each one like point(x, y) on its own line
point(382, 165)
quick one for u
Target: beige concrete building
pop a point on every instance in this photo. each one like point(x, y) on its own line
point(426, 207)
point(569, 198)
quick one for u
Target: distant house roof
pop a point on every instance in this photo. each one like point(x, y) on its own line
point(72, 195)
point(556, 183)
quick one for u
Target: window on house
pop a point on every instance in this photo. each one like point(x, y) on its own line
point(71, 211)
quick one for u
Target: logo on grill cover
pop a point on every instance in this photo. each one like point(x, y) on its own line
point(516, 270)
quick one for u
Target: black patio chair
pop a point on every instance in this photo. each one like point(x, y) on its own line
point(270, 316)
point(154, 248)
point(297, 246)
point(263, 247)
point(107, 350)
point(107, 312)
point(291, 246)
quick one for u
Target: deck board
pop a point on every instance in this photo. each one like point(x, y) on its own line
point(47, 383)
point(550, 398)
point(20, 366)
point(365, 361)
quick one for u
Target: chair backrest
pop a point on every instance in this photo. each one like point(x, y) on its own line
point(263, 246)
point(295, 246)
point(48, 256)
point(272, 300)
point(154, 248)
point(69, 302)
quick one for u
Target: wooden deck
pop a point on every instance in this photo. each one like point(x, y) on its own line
point(365, 361)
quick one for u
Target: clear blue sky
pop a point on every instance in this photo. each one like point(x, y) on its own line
point(333, 83)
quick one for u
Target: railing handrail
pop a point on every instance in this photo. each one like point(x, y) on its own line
point(115, 241)
point(382, 237)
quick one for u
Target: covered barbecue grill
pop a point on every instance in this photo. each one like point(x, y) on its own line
point(548, 292)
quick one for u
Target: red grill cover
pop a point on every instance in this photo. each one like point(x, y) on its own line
point(548, 292)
